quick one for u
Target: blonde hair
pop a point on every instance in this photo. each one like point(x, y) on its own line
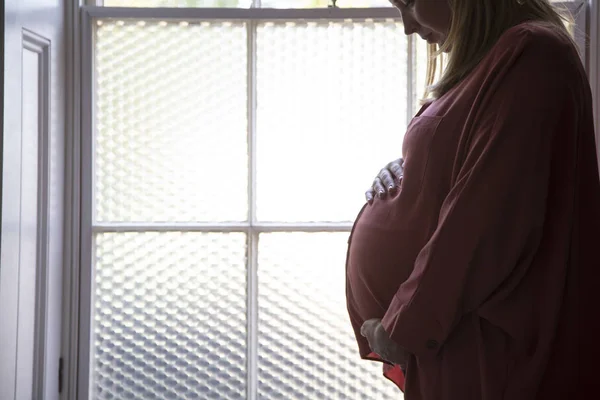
point(476, 26)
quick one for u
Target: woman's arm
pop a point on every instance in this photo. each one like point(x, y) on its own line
point(492, 219)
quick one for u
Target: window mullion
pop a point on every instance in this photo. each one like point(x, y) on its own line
point(106, 227)
point(252, 238)
point(252, 316)
point(237, 14)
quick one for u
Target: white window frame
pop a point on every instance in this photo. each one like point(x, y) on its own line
point(76, 344)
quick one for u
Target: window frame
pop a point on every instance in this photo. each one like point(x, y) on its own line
point(80, 227)
point(80, 386)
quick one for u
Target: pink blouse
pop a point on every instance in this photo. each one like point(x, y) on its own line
point(481, 266)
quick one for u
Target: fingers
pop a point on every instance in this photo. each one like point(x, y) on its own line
point(381, 334)
point(387, 180)
point(397, 169)
point(381, 343)
point(378, 187)
point(368, 327)
point(378, 340)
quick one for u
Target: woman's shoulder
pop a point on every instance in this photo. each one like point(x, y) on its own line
point(532, 46)
point(537, 35)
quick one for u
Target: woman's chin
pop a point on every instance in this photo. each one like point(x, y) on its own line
point(437, 40)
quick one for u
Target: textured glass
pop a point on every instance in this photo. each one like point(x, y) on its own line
point(178, 3)
point(169, 316)
point(171, 121)
point(331, 113)
point(306, 346)
point(420, 68)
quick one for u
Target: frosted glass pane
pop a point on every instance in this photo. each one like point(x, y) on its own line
point(331, 113)
point(323, 3)
point(169, 316)
point(178, 3)
point(171, 121)
point(306, 346)
point(420, 76)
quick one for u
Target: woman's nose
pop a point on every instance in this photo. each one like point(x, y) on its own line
point(409, 29)
point(410, 25)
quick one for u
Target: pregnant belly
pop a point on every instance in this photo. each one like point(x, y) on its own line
point(380, 259)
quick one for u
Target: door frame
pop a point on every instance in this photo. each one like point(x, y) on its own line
point(46, 45)
point(70, 311)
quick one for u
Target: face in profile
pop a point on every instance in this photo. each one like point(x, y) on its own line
point(430, 19)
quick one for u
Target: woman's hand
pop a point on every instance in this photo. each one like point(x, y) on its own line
point(381, 344)
point(387, 180)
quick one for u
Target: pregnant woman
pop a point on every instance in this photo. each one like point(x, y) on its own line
point(471, 277)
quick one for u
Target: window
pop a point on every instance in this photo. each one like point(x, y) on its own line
point(218, 234)
point(224, 156)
